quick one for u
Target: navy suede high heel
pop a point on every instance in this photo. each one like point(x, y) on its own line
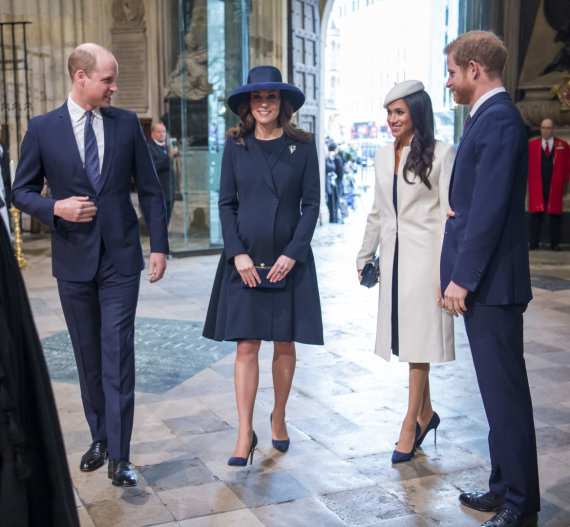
point(279, 444)
point(432, 425)
point(242, 461)
point(400, 457)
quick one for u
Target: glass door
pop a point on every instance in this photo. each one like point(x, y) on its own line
point(212, 59)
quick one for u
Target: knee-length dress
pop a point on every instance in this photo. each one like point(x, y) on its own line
point(413, 225)
point(269, 206)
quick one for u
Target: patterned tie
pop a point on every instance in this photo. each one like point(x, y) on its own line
point(467, 119)
point(91, 152)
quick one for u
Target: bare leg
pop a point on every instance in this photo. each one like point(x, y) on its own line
point(246, 378)
point(425, 412)
point(283, 368)
point(419, 372)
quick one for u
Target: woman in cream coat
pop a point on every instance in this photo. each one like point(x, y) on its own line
point(406, 225)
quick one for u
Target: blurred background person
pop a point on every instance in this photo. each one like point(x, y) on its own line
point(548, 169)
point(334, 169)
point(406, 225)
point(162, 157)
point(269, 206)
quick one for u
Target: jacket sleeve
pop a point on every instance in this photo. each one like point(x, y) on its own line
point(29, 181)
point(371, 238)
point(495, 163)
point(150, 194)
point(228, 204)
point(299, 245)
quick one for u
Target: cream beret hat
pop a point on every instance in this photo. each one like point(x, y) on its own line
point(401, 90)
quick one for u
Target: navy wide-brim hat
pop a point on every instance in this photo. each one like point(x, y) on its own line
point(265, 78)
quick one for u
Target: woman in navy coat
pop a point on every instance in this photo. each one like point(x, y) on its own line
point(269, 205)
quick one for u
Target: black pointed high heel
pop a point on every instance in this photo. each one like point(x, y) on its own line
point(432, 425)
point(279, 444)
point(242, 461)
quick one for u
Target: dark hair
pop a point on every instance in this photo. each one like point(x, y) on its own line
point(483, 47)
point(420, 159)
point(332, 147)
point(247, 123)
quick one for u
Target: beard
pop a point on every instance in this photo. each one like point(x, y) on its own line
point(462, 94)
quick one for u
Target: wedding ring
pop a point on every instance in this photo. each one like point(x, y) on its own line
point(279, 272)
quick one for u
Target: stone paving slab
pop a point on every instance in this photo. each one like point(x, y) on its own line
point(344, 413)
point(167, 353)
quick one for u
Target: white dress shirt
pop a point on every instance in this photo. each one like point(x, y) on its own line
point(78, 117)
point(549, 142)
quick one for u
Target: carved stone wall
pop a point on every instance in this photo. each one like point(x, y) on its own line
point(56, 27)
point(129, 45)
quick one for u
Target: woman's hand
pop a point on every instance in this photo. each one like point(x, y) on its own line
point(280, 268)
point(246, 269)
point(360, 275)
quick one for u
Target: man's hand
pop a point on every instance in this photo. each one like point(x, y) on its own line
point(76, 208)
point(454, 299)
point(156, 266)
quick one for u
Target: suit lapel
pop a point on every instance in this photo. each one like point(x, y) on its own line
point(109, 129)
point(68, 137)
point(260, 162)
point(480, 111)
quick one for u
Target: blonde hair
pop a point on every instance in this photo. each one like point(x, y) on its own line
point(483, 47)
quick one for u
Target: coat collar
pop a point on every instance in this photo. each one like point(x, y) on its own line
point(261, 161)
point(501, 96)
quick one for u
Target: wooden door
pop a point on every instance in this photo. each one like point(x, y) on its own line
point(304, 58)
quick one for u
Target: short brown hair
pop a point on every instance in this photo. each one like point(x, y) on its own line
point(81, 59)
point(483, 47)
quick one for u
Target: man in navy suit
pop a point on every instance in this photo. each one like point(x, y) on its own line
point(88, 152)
point(485, 272)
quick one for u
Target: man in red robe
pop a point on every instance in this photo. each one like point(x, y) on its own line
point(548, 170)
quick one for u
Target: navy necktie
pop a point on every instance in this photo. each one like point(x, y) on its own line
point(91, 152)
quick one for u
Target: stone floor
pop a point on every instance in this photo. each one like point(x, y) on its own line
point(343, 417)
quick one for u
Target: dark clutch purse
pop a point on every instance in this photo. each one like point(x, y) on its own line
point(371, 272)
point(262, 271)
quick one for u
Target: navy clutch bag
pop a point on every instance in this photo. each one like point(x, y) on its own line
point(262, 271)
point(371, 272)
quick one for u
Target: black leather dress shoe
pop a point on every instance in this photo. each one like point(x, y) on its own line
point(95, 457)
point(487, 502)
point(507, 518)
point(122, 473)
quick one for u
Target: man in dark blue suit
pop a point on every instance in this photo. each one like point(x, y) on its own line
point(485, 272)
point(88, 152)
